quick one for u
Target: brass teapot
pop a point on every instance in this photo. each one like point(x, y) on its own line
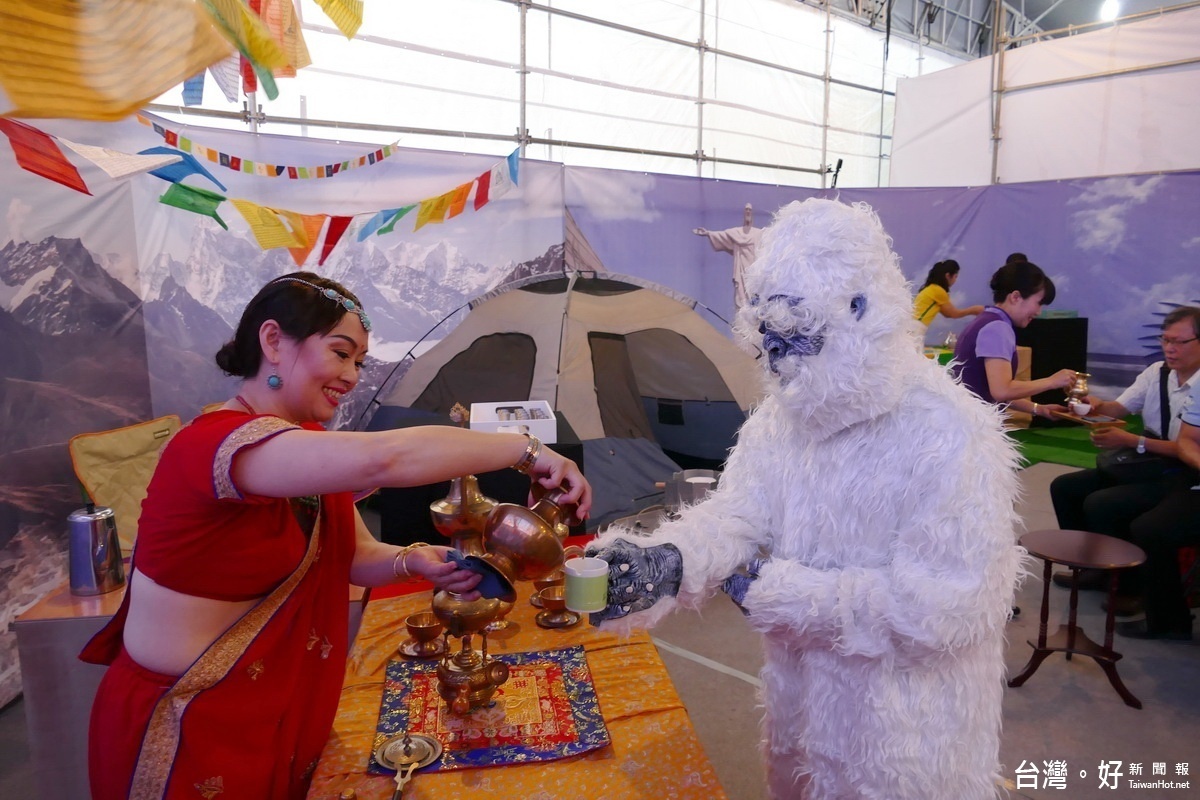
point(1078, 391)
point(521, 544)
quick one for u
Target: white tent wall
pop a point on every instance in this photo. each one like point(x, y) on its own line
point(773, 91)
point(1116, 101)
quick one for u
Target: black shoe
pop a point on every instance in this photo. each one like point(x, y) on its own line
point(1126, 606)
point(1090, 580)
point(1138, 629)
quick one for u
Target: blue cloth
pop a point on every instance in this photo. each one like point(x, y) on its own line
point(494, 585)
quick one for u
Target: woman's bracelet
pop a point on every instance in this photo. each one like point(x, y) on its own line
point(532, 450)
point(400, 562)
point(1035, 408)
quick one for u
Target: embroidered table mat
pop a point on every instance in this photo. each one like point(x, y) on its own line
point(545, 711)
point(653, 752)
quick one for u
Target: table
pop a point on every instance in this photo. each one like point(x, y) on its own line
point(58, 687)
point(654, 751)
point(1079, 550)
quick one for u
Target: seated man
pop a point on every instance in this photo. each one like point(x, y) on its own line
point(1161, 532)
point(1091, 500)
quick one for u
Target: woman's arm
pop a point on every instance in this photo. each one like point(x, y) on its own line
point(1007, 389)
point(377, 564)
point(300, 462)
point(948, 309)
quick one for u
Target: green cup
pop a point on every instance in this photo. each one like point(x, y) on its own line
point(586, 582)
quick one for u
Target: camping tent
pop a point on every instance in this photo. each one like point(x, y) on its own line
point(617, 356)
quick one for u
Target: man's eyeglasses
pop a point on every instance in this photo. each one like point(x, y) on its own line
point(1166, 341)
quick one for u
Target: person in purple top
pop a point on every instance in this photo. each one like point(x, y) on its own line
point(985, 359)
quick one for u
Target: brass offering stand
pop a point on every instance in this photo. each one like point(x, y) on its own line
point(517, 544)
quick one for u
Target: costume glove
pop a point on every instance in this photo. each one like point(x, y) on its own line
point(638, 577)
point(737, 584)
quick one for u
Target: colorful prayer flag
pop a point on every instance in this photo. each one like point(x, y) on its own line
point(433, 210)
point(118, 164)
point(458, 200)
point(36, 152)
point(346, 14)
point(391, 224)
point(188, 165)
point(65, 58)
point(307, 229)
point(376, 222)
point(337, 226)
point(191, 198)
point(482, 184)
point(266, 226)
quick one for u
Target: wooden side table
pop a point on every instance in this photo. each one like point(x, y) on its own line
point(1079, 550)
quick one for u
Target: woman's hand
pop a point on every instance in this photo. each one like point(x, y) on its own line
point(553, 470)
point(429, 562)
point(1047, 409)
point(1063, 379)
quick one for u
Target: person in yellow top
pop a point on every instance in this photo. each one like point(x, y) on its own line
point(935, 295)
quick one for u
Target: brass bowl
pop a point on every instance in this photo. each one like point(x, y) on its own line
point(555, 578)
point(462, 617)
point(424, 628)
point(554, 599)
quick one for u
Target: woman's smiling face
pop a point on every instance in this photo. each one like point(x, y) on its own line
point(321, 369)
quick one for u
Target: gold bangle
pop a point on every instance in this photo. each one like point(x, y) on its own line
point(400, 562)
point(532, 450)
point(1035, 408)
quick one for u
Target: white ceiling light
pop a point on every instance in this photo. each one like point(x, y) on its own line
point(1109, 10)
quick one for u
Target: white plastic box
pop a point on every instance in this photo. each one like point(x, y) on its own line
point(519, 416)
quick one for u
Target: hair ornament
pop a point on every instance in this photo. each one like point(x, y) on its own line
point(337, 297)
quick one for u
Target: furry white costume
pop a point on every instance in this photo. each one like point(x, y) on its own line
point(874, 498)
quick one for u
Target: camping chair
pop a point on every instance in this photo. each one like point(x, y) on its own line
point(114, 468)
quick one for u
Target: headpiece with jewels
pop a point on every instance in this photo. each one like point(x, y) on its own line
point(336, 297)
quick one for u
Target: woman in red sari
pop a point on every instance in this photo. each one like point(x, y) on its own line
point(227, 656)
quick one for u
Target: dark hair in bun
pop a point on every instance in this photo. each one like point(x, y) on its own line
point(1024, 277)
point(300, 309)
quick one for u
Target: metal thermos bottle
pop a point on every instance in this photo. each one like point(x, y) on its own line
point(95, 551)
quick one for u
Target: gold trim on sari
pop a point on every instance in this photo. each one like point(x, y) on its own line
point(253, 432)
point(161, 740)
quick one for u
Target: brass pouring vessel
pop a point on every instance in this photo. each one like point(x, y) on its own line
point(522, 544)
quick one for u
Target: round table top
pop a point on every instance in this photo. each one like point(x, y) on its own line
point(1083, 549)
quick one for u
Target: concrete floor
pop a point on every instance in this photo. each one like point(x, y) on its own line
point(1065, 712)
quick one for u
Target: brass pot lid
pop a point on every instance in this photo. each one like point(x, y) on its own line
point(400, 751)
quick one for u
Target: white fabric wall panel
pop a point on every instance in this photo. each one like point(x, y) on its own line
point(943, 130)
point(1116, 126)
point(1092, 123)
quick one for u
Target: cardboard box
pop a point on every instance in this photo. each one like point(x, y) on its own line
point(534, 417)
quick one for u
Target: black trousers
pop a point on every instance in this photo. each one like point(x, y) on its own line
point(1088, 501)
point(1170, 525)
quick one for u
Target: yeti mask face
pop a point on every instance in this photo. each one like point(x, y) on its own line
point(830, 314)
point(789, 327)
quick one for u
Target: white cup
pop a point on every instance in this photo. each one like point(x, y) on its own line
point(1081, 409)
point(586, 581)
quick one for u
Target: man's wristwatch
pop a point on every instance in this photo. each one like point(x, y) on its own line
point(1141, 445)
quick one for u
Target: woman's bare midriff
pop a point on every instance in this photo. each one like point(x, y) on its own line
point(166, 631)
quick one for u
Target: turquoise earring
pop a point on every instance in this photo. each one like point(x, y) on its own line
point(274, 381)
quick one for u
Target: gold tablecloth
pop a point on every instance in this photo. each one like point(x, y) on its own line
point(654, 751)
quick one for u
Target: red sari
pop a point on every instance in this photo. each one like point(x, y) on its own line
point(249, 718)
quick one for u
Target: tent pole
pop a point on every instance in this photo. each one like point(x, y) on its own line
point(825, 79)
point(700, 98)
point(522, 133)
point(999, 44)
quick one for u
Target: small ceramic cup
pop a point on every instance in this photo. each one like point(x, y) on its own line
point(586, 584)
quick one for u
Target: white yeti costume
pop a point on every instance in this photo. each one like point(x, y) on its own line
point(881, 494)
